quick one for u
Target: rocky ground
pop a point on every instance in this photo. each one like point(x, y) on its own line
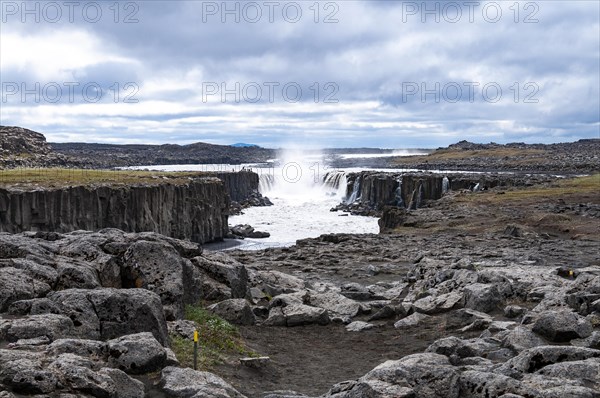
point(21, 147)
point(478, 294)
point(563, 158)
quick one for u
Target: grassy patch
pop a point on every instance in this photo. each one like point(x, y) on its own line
point(589, 185)
point(58, 177)
point(217, 340)
point(455, 154)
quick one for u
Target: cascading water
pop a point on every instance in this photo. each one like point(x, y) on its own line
point(420, 196)
point(265, 183)
point(302, 195)
point(398, 194)
point(354, 196)
point(335, 180)
point(445, 185)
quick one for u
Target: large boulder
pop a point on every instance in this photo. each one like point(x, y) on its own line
point(78, 375)
point(479, 384)
point(337, 305)
point(437, 304)
point(534, 359)
point(297, 314)
point(186, 383)
point(482, 297)
point(236, 311)
point(562, 326)
point(223, 270)
point(51, 326)
point(126, 387)
point(412, 320)
point(521, 338)
point(103, 314)
point(419, 375)
point(136, 353)
point(158, 267)
point(17, 285)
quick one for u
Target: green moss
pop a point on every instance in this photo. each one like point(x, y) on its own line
point(217, 340)
point(57, 177)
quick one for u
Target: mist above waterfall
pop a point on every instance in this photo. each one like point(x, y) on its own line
point(303, 189)
point(298, 176)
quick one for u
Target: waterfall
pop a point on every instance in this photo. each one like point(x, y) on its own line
point(398, 193)
point(265, 183)
point(354, 196)
point(419, 196)
point(476, 188)
point(335, 180)
point(445, 185)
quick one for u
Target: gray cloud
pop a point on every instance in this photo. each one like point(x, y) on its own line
point(373, 53)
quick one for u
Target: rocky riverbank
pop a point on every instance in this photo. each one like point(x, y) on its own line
point(368, 192)
point(480, 294)
point(194, 208)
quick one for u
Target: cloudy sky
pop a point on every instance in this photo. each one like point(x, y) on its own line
point(332, 74)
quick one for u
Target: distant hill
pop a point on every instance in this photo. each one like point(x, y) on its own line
point(244, 145)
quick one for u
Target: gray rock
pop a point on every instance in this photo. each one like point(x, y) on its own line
point(356, 291)
point(34, 307)
point(482, 297)
point(83, 348)
point(257, 362)
point(296, 315)
point(224, 270)
point(412, 320)
point(157, 267)
point(33, 381)
point(184, 383)
point(275, 283)
point(514, 311)
point(466, 317)
point(431, 305)
point(77, 374)
point(29, 344)
point(236, 311)
point(455, 348)
point(336, 305)
point(126, 387)
point(593, 341)
point(588, 369)
point(171, 358)
point(359, 326)
point(418, 375)
point(108, 313)
point(17, 285)
point(477, 384)
point(123, 312)
point(51, 326)
point(73, 274)
point(15, 365)
point(136, 353)
point(534, 359)
point(386, 312)
point(45, 273)
point(182, 328)
point(284, 394)
point(521, 338)
point(562, 326)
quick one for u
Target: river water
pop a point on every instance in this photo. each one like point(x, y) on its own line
point(303, 190)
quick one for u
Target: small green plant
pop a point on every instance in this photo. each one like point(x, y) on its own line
point(217, 339)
